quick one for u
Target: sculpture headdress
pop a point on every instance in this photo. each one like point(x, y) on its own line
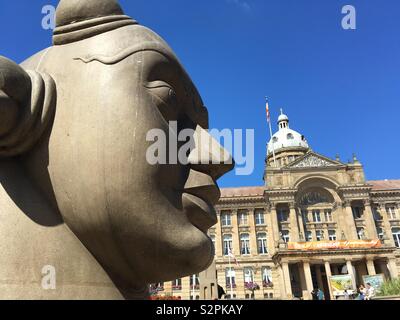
point(80, 19)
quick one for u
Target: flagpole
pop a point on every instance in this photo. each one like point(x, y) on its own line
point(230, 273)
point(194, 287)
point(270, 132)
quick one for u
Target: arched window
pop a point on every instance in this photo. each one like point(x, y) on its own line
point(396, 236)
point(262, 243)
point(245, 243)
point(290, 136)
point(275, 139)
point(227, 244)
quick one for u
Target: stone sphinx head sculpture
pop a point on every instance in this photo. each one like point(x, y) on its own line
point(84, 215)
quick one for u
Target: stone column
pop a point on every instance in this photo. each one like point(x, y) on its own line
point(294, 224)
point(328, 275)
point(319, 278)
point(349, 222)
point(303, 283)
point(275, 225)
point(235, 234)
point(281, 283)
point(350, 271)
point(186, 290)
point(218, 237)
point(240, 291)
point(386, 225)
point(301, 225)
point(288, 283)
point(392, 266)
point(253, 234)
point(371, 267)
point(308, 276)
point(372, 233)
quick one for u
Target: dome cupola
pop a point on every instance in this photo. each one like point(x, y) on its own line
point(286, 138)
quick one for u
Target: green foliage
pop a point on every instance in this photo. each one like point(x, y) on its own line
point(390, 288)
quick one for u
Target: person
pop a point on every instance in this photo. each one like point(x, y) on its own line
point(361, 293)
point(314, 294)
point(320, 294)
point(370, 292)
point(346, 295)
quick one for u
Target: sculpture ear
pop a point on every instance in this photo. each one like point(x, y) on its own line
point(27, 104)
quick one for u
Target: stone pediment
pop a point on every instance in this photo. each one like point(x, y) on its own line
point(313, 160)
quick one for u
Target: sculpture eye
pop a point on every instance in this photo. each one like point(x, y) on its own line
point(165, 98)
point(163, 91)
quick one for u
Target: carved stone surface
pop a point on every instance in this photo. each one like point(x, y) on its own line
point(76, 190)
point(312, 161)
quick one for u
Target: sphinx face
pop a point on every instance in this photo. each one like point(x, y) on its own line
point(144, 222)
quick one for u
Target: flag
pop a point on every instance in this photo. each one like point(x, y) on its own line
point(268, 113)
point(232, 256)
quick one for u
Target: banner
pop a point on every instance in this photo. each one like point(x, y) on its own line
point(376, 281)
point(332, 245)
point(340, 284)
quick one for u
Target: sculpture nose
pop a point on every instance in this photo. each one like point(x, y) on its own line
point(208, 156)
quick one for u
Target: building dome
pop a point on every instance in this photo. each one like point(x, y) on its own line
point(286, 137)
point(283, 117)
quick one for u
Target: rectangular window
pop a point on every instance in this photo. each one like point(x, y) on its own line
point(262, 243)
point(319, 235)
point(304, 214)
point(357, 212)
point(283, 215)
point(396, 236)
point(316, 216)
point(309, 236)
point(267, 277)
point(243, 218)
point(227, 244)
point(328, 216)
point(195, 282)
point(377, 214)
point(230, 277)
point(226, 219)
point(245, 243)
point(248, 275)
point(260, 218)
point(177, 285)
point(332, 235)
point(391, 211)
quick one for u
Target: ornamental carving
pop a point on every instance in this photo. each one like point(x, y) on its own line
point(313, 162)
point(312, 198)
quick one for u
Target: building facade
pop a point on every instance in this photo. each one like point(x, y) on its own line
point(314, 218)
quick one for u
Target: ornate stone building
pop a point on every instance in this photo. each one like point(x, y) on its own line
point(315, 217)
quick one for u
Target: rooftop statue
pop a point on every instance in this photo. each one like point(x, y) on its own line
point(80, 207)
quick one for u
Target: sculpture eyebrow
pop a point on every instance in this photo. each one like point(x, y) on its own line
point(145, 46)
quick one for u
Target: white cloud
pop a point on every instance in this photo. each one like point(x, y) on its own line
point(244, 5)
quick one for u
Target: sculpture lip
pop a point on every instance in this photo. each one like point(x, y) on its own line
point(199, 211)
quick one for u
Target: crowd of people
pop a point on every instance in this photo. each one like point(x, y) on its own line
point(363, 293)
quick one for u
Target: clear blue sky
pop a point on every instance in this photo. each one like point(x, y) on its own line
point(341, 89)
